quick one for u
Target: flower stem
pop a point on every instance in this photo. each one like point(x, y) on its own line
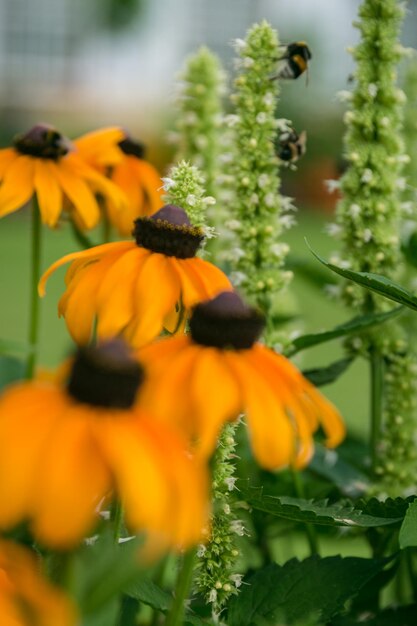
point(376, 364)
point(309, 528)
point(182, 588)
point(82, 239)
point(34, 298)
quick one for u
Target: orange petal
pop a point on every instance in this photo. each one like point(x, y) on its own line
point(97, 181)
point(7, 156)
point(92, 253)
point(27, 415)
point(271, 432)
point(71, 481)
point(17, 187)
point(154, 354)
point(48, 191)
point(156, 293)
point(77, 191)
point(99, 147)
point(150, 181)
point(79, 305)
point(216, 397)
point(115, 294)
point(200, 280)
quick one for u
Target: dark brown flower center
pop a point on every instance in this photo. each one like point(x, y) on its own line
point(169, 232)
point(105, 375)
point(44, 142)
point(226, 322)
point(132, 147)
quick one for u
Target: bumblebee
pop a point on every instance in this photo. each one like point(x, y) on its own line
point(291, 145)
point(294, 60)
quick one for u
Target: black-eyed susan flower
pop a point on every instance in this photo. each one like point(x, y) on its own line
point(26, 598)
point(65, 448)
point(220, 371)
point(45, 163)
point(115, 152)
point(138, 288)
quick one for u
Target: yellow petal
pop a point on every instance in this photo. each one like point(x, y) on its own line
point(27, 415)
point(150, 181)
point(7, 156)
point(71, 481)
point(17, 187)
point(115, 306)
point(157, 291)
point(85, 255)
point(99, 147)
point(77, 191)
point(97, 181)
point(48, 191)
point(271, 432)
point(200, 280)
point(215, 395)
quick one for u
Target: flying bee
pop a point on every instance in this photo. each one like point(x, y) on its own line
point(294, 60)
point(291, 145)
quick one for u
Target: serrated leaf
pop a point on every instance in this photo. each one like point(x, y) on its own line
point(147, 592)
point(331, 465)
point(408, 530)
point(321, 376)
point(298, 590)
point(11, 370)
point(375, 282)
point(389, 508)
point(353, 326)
point(314, 512)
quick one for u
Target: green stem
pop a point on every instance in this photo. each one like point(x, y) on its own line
point(117, 519)
point(309, 528)
point(34, 297)
point(182, 588)
point(82, 239)
point(377, 367)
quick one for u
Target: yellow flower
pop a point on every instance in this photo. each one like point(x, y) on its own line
point(137, 288)
point(25, 598)
point(43, 162)
point(112, 150)
point(64, 449)
point(220, 371)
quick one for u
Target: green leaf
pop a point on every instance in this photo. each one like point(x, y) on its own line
point(11, 370)
point(147, 592)
point(314, 512)
point(331, 465)
point(106, 615)
point(376, 283)
point(103, 570)
point(409, 249)
point(299, 590)
point(7, 346)
point(353, 326)
point(389, 508)
point(401, 616)
point(408, 530)
point(321, 376)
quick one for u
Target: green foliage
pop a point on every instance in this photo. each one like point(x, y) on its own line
point(321, 376)
point(149, 593)
point(408, 530)
point(297, 590)
point(11, 370)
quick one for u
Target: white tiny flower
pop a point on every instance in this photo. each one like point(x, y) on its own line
point(263, 180)
point(407, 208)
point(168, 183)
point(268, 99)
point(191, 199)
point(231, 120)
point(234, 224)
point(367, 175)
point(230, 482)
point(354, 210)
point(210, 232)
point(401, 183)
point(283, 125)
point(238, 44)
point(385, 121)
point(348, 117)
point(330, 457)
point(201, 550)
point(237, 527)
point(287, 204)
point(190, 118)
point(254, 199)
point(236, 579)
point(372, 90)
point(226, 509)
point(367, 235)
point(226, 157)
point(262, 117)
point(270, 200)
point(173, 137)
point(238, 278)
point(332, 229)
point(403, 158)
point(287, 221)
point(209, 201)
point(236, 254)
point(333, 291)
point(332, 185)
point(201, 142)
point(247, 62)
point(344, 95)
point(357, 343)
point(253, 142)
point(279, 249)
point(212, 596)
point(400, 96)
